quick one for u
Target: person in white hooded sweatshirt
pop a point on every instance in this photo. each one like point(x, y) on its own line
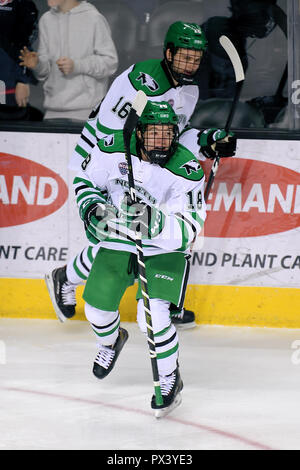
point(75, 58)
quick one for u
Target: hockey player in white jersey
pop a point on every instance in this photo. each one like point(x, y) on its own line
point(170, 211)
point(172, 79)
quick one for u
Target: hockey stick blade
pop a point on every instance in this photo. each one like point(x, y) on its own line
point(239, 75)
point(135, 112)
point(239, 78)
point(234, 58)
point(139, 102)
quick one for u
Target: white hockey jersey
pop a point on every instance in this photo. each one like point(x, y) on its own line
point(153, 78)
point(176, 190)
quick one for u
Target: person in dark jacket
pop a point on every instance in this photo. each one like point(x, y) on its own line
point(249, 19)
point(18, 27)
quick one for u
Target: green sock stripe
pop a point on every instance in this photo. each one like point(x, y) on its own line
point(162, 332)
point(77, 270)
point(168, 353)
point(107, 333)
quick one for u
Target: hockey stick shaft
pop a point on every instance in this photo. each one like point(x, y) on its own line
point(238, 89)
point(239, 78)
point(216, 162)
point(130, 124)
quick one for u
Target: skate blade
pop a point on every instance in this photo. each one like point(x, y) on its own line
point(161, 413)
point(185, 326)
point(50, 287)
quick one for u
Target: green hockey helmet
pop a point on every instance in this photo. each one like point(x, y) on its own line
point(189, 36)
point(159, 143)
point(158, 113)
point(186, 35)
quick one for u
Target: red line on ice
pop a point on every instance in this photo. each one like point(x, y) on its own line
point(206, 428)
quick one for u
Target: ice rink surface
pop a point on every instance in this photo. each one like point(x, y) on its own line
point(241, 390)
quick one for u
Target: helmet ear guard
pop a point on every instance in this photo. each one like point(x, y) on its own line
point(158, 114)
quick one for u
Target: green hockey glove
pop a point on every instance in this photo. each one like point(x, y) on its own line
point(148, 219)
point(96, 220)
point(216, 142)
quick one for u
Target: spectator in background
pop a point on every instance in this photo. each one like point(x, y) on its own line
point(75, 57)
point(18, 27)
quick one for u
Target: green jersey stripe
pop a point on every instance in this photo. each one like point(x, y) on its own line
point(198, 219)
point(90, 254)
point(81, 151)
point(185, 235)
point(97, 196)
point(82, 180)
point(90, 129)
point(104, 129)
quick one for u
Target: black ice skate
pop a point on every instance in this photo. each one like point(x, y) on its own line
point(62, 293)
point(171, 386)
point(182, 319)
point(107, 355)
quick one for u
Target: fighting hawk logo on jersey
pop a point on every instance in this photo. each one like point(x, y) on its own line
point(190, 166)
point(148, 81)
point(108, 140)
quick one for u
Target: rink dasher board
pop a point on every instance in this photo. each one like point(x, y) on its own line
point(244, 267)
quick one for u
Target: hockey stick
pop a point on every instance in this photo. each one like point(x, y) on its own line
point(239, 79)
point(136, 110)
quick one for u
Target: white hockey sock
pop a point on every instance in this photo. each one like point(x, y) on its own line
point(166, 346)
point(165, 334)
point(105, 324)
point(78, 268)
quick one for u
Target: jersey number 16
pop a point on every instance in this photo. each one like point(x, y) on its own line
point(121, 109)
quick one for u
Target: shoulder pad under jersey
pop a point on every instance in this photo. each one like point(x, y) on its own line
point(184, 164)
point(150, 77)
point(114, 143)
